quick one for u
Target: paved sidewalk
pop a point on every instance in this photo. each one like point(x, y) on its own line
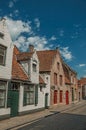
point(20, 120)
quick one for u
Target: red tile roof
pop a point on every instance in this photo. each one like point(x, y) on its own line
point(82, 81)
point(41, 81)
point(46, 59)
point(24, 56)
point(17, 70)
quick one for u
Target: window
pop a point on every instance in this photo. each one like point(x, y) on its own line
point(28, 95)
point(1, 35)
point(60, 80)
point(55, 78)
point(2, 93)
point(41, 88)
point(58, 65)
point(15, 86)
point(2, 55)
point(34, 67)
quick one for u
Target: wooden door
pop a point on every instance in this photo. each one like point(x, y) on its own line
point(67, 97)
point(55, 96)
point(61, 93)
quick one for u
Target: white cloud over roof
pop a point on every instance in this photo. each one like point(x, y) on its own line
point(66, 53)
point(17, 27)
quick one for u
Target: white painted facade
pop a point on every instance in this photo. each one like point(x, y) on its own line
point(5, 70)
point(34, 78)
point(41, 96)
point(28, 67)
point(30, 107)
point(46, 89)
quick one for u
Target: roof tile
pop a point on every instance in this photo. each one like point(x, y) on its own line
point(17, 70)
point(46, 59)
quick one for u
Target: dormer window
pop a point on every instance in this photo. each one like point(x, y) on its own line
point(34, 67)
point(1, 35)
point(2, 55)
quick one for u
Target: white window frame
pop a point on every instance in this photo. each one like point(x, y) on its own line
point(3, 54)
point(2, 93)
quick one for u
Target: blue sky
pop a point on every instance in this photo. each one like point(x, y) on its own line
point(48, 24)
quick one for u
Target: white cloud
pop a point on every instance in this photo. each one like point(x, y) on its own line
point(21, 42)
point(53, 38)
point(82, 65)
point(11, 4)
point(84, 76)
point(39, 42)
point(61, 33)
point(66, 53)
point(76, 25)
point(37, 22)
point(16, 12)
point(17, 27)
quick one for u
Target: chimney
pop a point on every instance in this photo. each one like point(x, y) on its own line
point(31, 48)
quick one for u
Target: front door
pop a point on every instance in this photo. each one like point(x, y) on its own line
point(14, 98)
point(14, 103)
point(46, 100)
point(72, 94)
point(55, 96)
point(67, 97)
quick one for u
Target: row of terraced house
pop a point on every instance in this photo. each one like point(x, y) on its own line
point(34, 80)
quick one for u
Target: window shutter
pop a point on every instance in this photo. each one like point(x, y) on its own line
point(36, 95)
point(9, 95)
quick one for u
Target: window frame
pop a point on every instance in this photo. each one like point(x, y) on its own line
point(3, 90)
point(58, 65)
point(4, 50)
point(29, 100)
point(55, 78)
point(1, 35)
point(61, 80)
point(34, 66)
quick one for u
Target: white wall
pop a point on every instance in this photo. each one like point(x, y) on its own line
point(30, 107)
point(46, 78)
point(5, 71)
point(27, 65)
point(34, 76)
point(4, 111)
